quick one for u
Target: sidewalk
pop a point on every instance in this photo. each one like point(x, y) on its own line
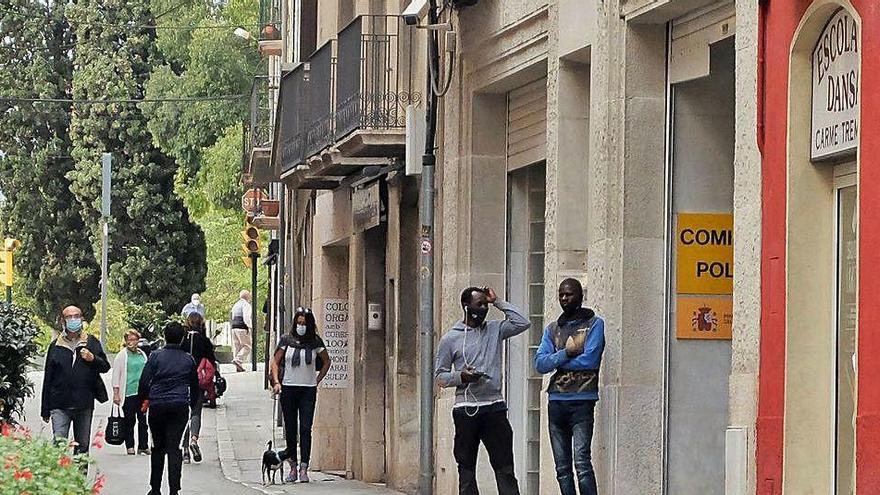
point(129, 475)
point(244, 426)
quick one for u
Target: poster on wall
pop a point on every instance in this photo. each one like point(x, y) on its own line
point(334, 331)
point(704, 318)
point(835, 84)
point(704, 253)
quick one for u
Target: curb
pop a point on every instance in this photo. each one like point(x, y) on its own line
point(226, 451)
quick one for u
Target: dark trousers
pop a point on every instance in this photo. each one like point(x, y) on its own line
point(493, 429)
point(167, 423)
point(131, 409)
point(298, 402)
point(571, 433)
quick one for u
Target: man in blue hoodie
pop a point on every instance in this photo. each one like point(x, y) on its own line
point(572, 348)
point(469, 359)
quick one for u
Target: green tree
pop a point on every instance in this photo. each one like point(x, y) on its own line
point(55, 266)
point(216, 62)
point(157, 253)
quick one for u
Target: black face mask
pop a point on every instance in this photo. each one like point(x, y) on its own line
point(477, 315)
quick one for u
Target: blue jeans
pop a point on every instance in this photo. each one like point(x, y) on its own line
point(81, 419)
point(571, 431)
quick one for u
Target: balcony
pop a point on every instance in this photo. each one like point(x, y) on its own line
point(345, 108)
point(257, 145)
point(659, 11)
point(270, 27)
point(372, 89)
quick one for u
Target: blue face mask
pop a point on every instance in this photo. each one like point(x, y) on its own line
point(74, 325)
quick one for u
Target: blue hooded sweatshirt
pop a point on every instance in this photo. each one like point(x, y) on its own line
point(552, 358)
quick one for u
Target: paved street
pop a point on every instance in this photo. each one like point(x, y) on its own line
point(245, 425)
point(242, 426)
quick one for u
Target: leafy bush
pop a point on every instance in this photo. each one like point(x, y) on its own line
point(18, 334)
point(39, 466)
point(148, 319)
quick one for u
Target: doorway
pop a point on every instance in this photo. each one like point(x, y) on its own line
point(525, 287)
point(701, 176)
point(846, 222)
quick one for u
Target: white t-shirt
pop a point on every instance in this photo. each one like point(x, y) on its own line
point(304, 374)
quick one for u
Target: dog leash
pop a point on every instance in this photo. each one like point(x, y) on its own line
point(274, 419)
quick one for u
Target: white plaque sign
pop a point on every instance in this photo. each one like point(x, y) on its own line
point(835, 81)
point(334, 331)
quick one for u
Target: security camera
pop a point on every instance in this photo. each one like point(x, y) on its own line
point(416, 10)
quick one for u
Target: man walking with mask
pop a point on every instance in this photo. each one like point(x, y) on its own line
point(469, 359)
point(572, 348)
point(240, 321)
point(72, 381)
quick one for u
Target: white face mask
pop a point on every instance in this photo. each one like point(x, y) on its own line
point(301, 330)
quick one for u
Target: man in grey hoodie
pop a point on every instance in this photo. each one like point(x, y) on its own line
point(469, 359)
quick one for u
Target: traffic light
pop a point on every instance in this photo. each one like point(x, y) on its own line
point(6, 268)
point(251, 241)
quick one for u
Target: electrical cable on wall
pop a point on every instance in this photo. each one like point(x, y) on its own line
point(450, 55)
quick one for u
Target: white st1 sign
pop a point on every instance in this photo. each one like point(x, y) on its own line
point(334, 332)
point(835, 82)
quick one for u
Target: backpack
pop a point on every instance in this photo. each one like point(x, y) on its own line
point(205, 371)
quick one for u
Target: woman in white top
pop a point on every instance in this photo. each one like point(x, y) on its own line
point(300, 363)
point(127, 369)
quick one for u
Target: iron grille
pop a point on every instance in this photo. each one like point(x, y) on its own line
point(320, 102)
point(371, 92)
point(260, 113)
point(293, 131)
point(270, 17)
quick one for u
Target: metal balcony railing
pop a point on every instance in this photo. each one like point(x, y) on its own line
point(321, 98)
point(260, 129)
point(351, 83)
point(270, 19)
point(371, 90)
point(294, 132)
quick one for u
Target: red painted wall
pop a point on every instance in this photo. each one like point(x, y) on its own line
point(779, 20)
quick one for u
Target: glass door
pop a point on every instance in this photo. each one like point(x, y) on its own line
point(847, 318)
point(525, 288)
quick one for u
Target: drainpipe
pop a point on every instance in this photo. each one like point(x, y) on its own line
point(426, 273)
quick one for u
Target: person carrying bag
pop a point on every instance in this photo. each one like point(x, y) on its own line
point(127, 369)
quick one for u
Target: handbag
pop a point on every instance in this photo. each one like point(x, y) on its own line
point(113, 434)
point(219, 385)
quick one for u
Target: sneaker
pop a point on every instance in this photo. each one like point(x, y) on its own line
point(129, 451)
point(291, 477)
point(196, 452)
point(145, 452)
point(303, 473)
point(186, 458)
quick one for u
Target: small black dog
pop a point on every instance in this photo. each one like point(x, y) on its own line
point(273, 461)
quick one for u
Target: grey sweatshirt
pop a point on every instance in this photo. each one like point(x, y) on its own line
point(480, 348)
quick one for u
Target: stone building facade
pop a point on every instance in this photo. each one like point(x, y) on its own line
point(575, 138)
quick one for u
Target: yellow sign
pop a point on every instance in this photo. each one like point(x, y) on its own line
point(704, 253)
point(705, 318)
